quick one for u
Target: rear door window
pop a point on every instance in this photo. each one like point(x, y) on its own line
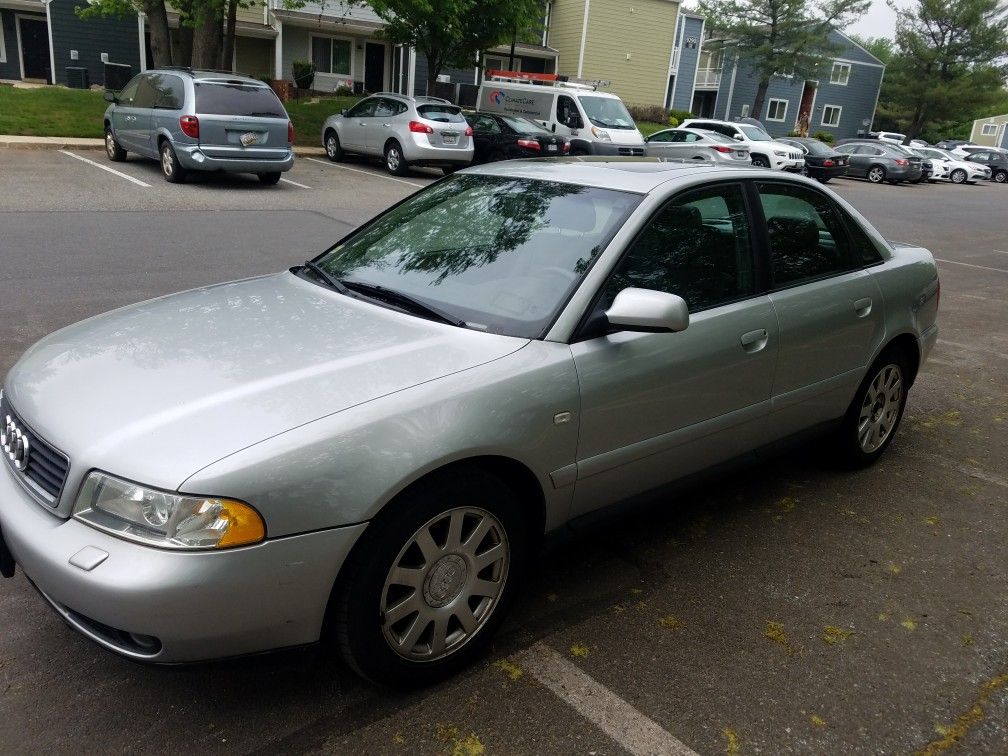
point(441, 113)
point(237, 99)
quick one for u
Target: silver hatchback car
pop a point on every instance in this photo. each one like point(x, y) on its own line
point(368, 447)
point(403, 130)
point(200, 121)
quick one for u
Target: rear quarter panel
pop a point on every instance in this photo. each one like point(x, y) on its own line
point(909, 284)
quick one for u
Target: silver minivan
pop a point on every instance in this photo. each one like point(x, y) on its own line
point(200, 121)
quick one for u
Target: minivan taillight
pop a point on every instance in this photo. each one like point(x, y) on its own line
point(420, 128)
point(189, 126)
point(290, 133)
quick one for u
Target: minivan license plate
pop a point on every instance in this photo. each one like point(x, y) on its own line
point(249, 138)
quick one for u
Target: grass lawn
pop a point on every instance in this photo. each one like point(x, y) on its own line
point(308, 117)
point(51, 111)
point(647, 128)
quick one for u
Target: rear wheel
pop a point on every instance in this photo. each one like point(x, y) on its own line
point(269, 178)
point(333, 149)
point(431, 579)
point(578, 151)
point(823, 179)
point(448, 170)
point(876, 174)
point(395, 163)
point(170, 168)
point(760, 161)
point(958, 176)
point(875, 413)
point(115, 153)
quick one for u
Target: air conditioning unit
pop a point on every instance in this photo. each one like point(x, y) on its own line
point(77, 77)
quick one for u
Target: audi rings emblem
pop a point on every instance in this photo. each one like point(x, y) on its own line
point(15, 443)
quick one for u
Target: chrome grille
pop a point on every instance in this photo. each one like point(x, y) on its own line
point(40, 466)
point(633, 151)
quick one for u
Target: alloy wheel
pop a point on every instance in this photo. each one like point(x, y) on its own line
point(109, 144)
point(1000, 177)
point(958, 176)
point(330, 147)
point(392, 159)
point(167, 164)
point(881, 408)
point(444, 584)
point(875, 175)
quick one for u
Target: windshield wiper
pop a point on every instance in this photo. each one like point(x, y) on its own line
point(406, 301)
point(331, 281)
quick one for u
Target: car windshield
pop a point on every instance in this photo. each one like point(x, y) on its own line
point(232, 98)
point(523, 125)
point(607, 112)
point(442, 113)
point(754, 133)
point(501, 254)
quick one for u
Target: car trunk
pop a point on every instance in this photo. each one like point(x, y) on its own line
point(448, 124)
point(548, 144)
point(241, 120)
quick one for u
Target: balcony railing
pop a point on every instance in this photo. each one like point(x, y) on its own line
point(708, 78)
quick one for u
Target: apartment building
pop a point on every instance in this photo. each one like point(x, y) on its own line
point(991, 131)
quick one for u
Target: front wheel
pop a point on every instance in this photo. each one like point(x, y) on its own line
point(173, 172)
point(333, 149)
point(875, 413)
point(430, 581)
point(1000, 176)
point(395, 163)
point(876, 174)
point(824, 179)
point(760, 162)
point(115, 153)
point(958, 176)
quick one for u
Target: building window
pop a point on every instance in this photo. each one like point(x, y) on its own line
point(745, 111)
point(3, 46)
point(990, 129)
point(831, 115)
point(840, 74)
point(495, 63)
point(331, 56)
point(776, 110)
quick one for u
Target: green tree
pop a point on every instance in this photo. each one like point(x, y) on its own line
point(946, 63)
point(780, 36)
point(882, 48)
point(454, 32)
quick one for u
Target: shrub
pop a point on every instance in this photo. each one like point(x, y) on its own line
point(304, 73)
point(343, 91)
point(673, 121)
point(794, 133)
point(649, 113)
point(824, 136)
point(679, 115)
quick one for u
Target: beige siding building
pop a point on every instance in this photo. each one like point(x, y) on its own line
point(628, 42)
point(991, 131)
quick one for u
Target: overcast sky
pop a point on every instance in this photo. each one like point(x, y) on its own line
point(879, 21)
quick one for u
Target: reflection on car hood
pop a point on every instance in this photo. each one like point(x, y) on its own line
point(158, 390)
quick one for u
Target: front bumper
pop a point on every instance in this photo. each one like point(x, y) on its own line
point(193, 158)
point(197, 605)
point(787, 164)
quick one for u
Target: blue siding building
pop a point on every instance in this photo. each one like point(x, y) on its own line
point(685, 59)
point(840, 98)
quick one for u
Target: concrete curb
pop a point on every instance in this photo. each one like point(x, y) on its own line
point(77, 143)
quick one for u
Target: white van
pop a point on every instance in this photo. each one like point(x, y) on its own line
point(595, 123)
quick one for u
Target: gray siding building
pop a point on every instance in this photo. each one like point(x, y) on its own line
point(685, 61)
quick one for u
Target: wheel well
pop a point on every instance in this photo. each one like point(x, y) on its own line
point(906, 344)
point(161, 140)
point(877, 165)
point(759, 155)
point(329, 131)
point(108, 124)
point(388, 142)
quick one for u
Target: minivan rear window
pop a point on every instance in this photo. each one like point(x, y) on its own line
point(444, 113)
point(227, 98)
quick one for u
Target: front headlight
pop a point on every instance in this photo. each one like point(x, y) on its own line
point(780, 153)
point(168, 520)
point(601, 134)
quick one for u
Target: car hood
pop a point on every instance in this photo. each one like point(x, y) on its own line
point(157, 390)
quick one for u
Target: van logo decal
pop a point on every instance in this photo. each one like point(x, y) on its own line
point(497, 97)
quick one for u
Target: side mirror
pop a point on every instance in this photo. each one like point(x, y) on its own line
point(343, 112)
point(737, 137)
point(110, 96)
point(648, 311)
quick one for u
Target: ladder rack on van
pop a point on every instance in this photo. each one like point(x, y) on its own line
point(544, 79)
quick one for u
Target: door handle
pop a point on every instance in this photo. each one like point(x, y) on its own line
point(862, 307)
point(754, 341)
point(387, 125)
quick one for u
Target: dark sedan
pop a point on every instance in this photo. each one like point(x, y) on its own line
point(996, 160)
point(880, 161)
point(822, 162)
point(502, 137)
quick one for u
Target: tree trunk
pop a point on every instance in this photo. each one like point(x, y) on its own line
point(160, 39)
point(209, 16)
point(227, 57)
point(916, 124)
point(761, 91)
point(434, 66)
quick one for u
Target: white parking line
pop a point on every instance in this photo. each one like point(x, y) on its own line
point(619, 720)
point(295, 183)
point(138, 182)
point(1000, 252)
point(971, 265)
point(366, 173)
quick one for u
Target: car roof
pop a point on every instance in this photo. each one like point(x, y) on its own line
point(198, 74)
point(639, 175)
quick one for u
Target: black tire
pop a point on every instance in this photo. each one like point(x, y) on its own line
point(173, 172)
point(395, 163)
point(355, 618)
point(448, 170)
point(1000, 177)
point(823, 179)
point(760, 162)
point(269, 178)
point(958, 176)
point(876, 174)
point(847, 440)
point(578, 151)
point(333, 148)
point(496, 156)
point(115, 153)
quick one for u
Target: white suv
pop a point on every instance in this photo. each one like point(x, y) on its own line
point(765, 152)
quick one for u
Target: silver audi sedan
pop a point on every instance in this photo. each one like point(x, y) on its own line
point(367, 448)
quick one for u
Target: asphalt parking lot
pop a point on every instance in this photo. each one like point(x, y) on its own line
point(790, 608)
